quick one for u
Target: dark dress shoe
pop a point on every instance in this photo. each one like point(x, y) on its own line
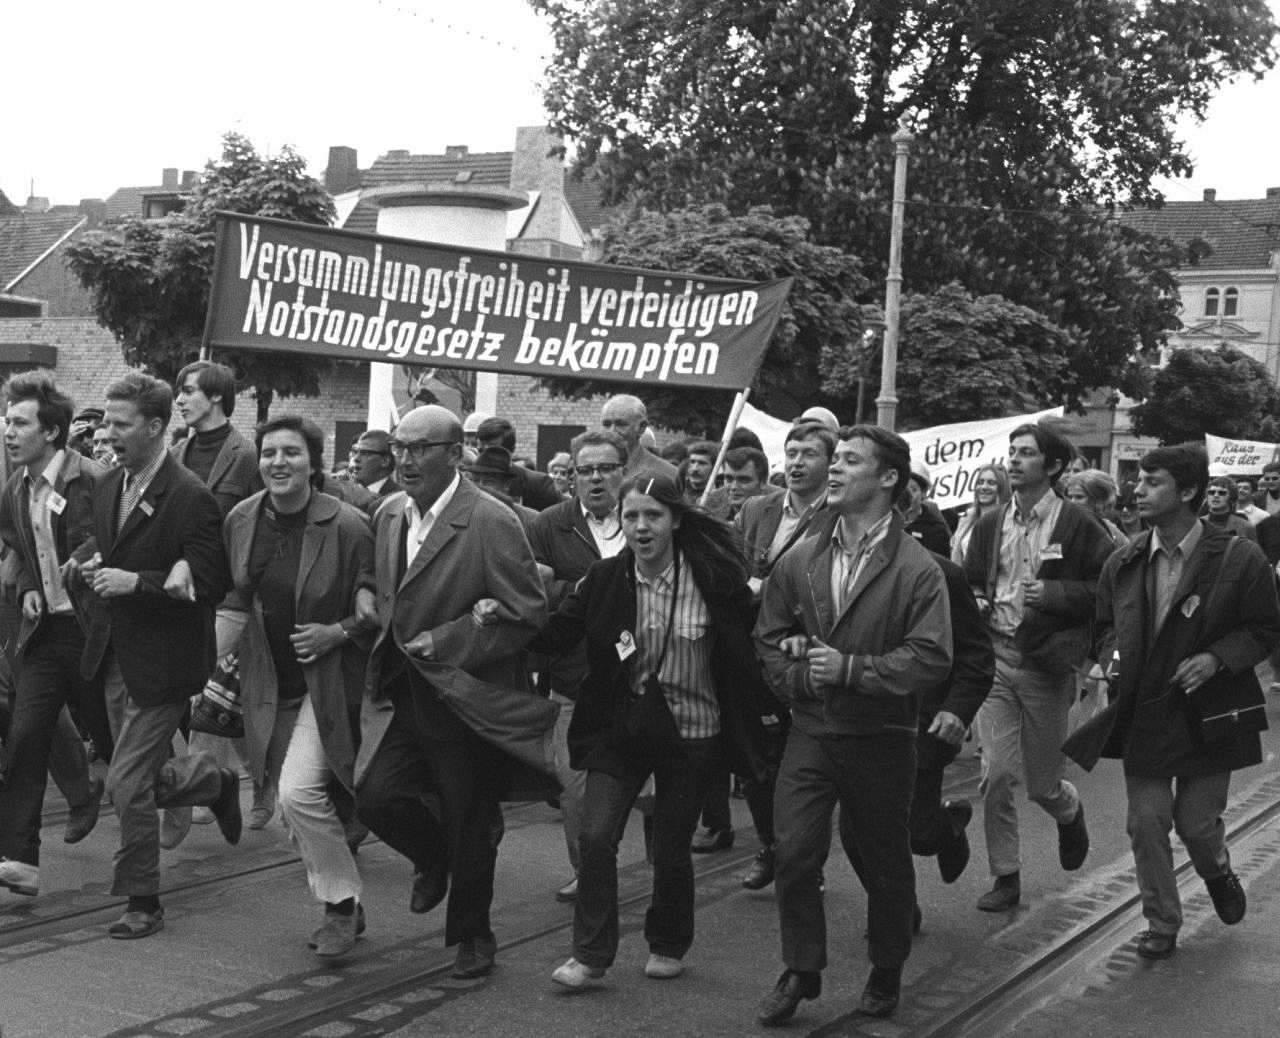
point(708, 841)
point(953, 855)
point(475, 958)
point(82, 819)
point(429, 887)
point(1155, 945)
point(226, 809)
point(1005, 895)
point(760, 875)
point(1073, 842)
point(1228, 897)
point(781, 1004)
point(880, 996)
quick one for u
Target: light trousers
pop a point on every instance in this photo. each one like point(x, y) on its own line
point(573, 783)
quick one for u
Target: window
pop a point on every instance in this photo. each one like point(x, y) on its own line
point(1230, 302)
point(1211, 302)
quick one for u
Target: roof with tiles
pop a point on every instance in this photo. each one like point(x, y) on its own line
point(1242, 233)
point(399, 167)
point(26, 237)
point(583, 195)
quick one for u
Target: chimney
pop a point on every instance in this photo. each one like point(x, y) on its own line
point(1210, 194)
point(343, 171)
point(1273, 192)
point(95, 211)
point(37, 204)
point(189, 177)
point(169, 179)
point(455, 151)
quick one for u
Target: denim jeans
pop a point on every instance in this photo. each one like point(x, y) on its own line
point(680, 785)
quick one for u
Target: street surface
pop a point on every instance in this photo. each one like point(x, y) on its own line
point(232, 958)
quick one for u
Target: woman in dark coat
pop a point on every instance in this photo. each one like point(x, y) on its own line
point(675, 601)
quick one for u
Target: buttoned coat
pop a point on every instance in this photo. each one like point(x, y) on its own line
point(1225, 604)
point(336, 562)
point(475, 549)
point(165, 647)
point(234, 475)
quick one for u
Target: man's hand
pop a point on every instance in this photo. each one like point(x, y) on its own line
point(311, 641)
point(947, 727)
point(1033, 592)
point(485, 612)
point(32, 605)
point(422, 647)
point(77, 574)
point(825, 663)
point(113, 583)
point(366, 608)
point(795, 646)
point(179, 583)
point(1195, 670)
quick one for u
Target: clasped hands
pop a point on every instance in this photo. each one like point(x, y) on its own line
point(825, 663)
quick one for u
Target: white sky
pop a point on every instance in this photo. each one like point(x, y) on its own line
point(102, 95)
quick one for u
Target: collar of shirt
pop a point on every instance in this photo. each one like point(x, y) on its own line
point(609, 519)
point(663, 580)
point(1040, 511)
point(143, 477)
point(1186, 546)
point(872, 536)
point(50, 473)
point(423, 523)
point(790, 510)
point(377, 485)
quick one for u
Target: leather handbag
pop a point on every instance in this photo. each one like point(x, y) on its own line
point(648, 726)
point(1219, 711)
point(217, 709)
point(1088, 743)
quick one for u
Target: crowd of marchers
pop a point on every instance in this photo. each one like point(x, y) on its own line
point(432, 628)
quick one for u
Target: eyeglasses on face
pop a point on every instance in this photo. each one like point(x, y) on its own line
point(1215, 491)
point(416, 448)
point(360, 452)
point(591, 471)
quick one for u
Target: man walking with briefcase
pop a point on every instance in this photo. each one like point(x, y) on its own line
point(1191, 610)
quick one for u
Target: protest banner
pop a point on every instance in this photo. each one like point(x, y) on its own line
point(300, 288)
point(1238, 457)
point(953, 453)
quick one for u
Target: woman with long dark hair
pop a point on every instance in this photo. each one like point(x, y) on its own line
point(671, 691)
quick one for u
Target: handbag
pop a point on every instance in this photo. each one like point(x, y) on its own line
point(217, 709)
point(1087, 744)
point(647, 722)
point(1218, 712)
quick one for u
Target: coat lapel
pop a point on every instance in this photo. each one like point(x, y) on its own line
point(443, 530)
point(319, 514)
point(146, 506)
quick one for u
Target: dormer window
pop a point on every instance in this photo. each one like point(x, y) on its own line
point(1230, 302)
point(1211, 302)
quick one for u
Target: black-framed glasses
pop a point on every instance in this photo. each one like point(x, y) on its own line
point(360, 452)
point(415, 448)
point(591, 471)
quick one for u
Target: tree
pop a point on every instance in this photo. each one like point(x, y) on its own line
point(1031, 122)
point(1222, 392)
point(150, 278)
point(820, 321)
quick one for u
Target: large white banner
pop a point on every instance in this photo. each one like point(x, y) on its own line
point(1239, 457)
point(952, 452)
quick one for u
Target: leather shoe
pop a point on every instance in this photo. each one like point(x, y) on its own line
point(760, 875)
point(792, 986)
point(574, 974)
point(475, 958)
point(175, 823)
point(1073, 842)
point(880, 996)
point(707, 841)
point(133, 925)
point(953, 855)
point(568, 894)
point(1155, 945)
point(1005, 895)
point(1228, 897)
point(663, 967)
point(264, 807)
point(337, 935)
point(19, 877)
point(82, 819)
point(429, 887)
point(226, 809)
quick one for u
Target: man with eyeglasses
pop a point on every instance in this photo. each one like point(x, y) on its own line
point(372, 463)
point(426, 782)
point(569, 538)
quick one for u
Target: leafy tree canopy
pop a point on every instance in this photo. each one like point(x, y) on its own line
point(150, 278)
point(1222, 392)
point(819, 322)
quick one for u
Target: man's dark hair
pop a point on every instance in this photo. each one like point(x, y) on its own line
point(892, 451)
point(598, 438)
point(740, 456)
point(152, 397)
point(674, 452)
point(304, 427)
point(1229, 485)
point(378, 440)
point(812, 431)
point(497, 431)
point(1187, 463)
point(1251, 480)
point(53, 407)
point(743, 437)
point(1053, 445)
point(214, 380)
point(1271, 466)
point(707, 448)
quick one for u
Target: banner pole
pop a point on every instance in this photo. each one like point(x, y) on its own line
point(735, 413)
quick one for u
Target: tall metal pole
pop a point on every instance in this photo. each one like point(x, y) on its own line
point(887, 401)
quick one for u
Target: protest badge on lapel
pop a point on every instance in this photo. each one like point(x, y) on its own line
point(146, 508)
point(626, 645)
point(57, 503)
point(1051, 551)
point(1189, 605)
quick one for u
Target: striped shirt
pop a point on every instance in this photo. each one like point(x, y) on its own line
point(847, 560)
point(135, 485)
point(685, 673)
point(1023, 541)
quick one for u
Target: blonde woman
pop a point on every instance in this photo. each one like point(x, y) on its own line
point(990, 491)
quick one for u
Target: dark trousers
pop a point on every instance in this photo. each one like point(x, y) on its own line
point(759, 794)
point(931, 828)
point(432, 791)
point(48, 679)
point(680, 785)
point(715, 804)
point(871, 777)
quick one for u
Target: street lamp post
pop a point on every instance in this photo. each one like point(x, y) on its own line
point(887, 401)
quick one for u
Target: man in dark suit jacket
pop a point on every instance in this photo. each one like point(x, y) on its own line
point(46, 512)
point(372, 464)
point(426, 782)
point(153, 649)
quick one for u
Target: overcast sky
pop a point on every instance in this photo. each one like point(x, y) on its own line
point(101, 95)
